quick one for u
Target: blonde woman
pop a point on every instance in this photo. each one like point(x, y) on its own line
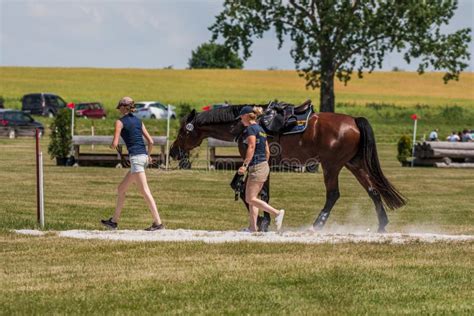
point(132, 131)
point(256, 163)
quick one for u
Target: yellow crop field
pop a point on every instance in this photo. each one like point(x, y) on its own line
point(201, 87)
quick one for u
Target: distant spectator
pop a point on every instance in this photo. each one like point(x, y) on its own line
point(454, 137)
point(434, 135)
point(466, 136)
point(1, 102)
point(225, 103)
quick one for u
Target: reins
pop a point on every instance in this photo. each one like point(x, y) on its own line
point(123, 161)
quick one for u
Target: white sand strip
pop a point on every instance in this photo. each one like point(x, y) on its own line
point(30, 232)
point(303, 237)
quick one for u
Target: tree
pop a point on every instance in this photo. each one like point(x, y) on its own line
point(211, 55)
point(60, 144)
point(331, 38)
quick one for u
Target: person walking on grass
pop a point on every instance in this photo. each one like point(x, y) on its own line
point(132, 131)
point(256, 163)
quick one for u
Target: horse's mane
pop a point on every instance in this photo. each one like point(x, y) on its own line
point(221, 115)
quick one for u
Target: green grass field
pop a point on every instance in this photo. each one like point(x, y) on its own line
point(387, 99)
point(53, 275)
point(202, 87)
point(40, 275)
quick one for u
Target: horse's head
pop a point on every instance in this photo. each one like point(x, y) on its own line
point(189, 137)
point(222, 123)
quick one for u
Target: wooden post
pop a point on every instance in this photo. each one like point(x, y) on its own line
point(163, 154)
point(76, 153)
point(212, 159)
point(37, 178)
point(168, 137)
point(41, 191)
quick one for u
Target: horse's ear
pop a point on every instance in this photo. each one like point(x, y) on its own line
point(191, 116)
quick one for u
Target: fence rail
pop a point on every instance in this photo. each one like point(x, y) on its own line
point(107, 159)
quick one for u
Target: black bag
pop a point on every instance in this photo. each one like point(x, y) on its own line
point(237, 184)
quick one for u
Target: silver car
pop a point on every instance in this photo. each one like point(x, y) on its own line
point(153, 110)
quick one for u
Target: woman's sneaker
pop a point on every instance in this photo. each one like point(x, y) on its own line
point(279, 219)
point(154, 227)
point(109, 224)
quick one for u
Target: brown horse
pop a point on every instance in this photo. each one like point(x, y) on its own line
point(335, 140)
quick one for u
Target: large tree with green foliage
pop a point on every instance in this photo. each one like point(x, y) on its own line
point(332, 38)
point(211, 55)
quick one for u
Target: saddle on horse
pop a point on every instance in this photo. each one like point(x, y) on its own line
point(282, 118)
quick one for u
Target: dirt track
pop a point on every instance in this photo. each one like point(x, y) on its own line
point(304, 237)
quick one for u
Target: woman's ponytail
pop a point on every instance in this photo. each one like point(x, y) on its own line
point(257, 111)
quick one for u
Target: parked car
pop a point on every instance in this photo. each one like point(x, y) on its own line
point(90, 110)
point(15, 123)
point(45, 104)
point(153, 110)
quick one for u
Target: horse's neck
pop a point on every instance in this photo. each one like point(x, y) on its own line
point(221, 132)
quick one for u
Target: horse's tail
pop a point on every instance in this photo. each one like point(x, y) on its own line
point(391, 197)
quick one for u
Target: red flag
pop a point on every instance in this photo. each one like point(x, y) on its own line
point(70, 105)
point(414, 117)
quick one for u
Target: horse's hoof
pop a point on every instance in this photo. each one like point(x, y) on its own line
point(381, 230)
point(320, 221)
point(317, 227)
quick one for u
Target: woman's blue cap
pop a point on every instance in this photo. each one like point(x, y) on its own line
point(246, 110)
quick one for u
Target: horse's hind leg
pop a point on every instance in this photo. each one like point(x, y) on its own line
point(331, 180)
point(364, 178)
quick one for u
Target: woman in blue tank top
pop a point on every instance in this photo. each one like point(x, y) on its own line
point(132, 131)
point(256, 163)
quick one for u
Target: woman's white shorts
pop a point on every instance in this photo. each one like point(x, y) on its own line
point(138, 163)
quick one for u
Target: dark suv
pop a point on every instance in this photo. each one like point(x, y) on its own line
point(16, 123)
point(42, 104)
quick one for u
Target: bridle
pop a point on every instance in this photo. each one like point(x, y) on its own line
point(189, 128)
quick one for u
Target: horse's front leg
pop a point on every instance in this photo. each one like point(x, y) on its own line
point(331, 181)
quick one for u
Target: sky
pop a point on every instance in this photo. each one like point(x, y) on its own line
point(138, 34)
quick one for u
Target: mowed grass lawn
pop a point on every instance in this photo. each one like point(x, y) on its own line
point(52, 275)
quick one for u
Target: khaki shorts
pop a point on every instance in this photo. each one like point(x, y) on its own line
point(138, 163)
point(259, 173)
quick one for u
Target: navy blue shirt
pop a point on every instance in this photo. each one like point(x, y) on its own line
point(132, 135)
point(260, 144)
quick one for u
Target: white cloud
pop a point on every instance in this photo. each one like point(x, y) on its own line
point(106, 33)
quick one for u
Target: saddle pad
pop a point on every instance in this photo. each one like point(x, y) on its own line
point(301, 124)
